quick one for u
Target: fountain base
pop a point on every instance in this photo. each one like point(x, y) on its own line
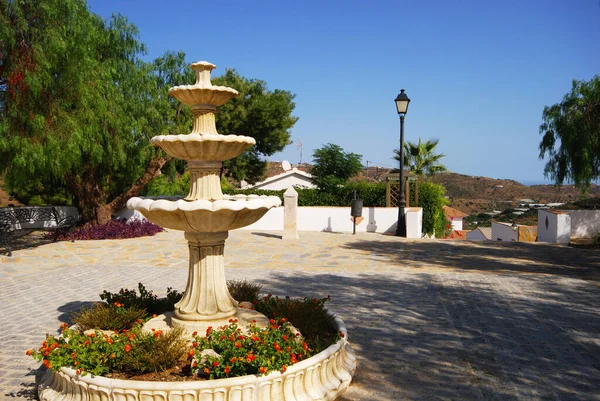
point(168, 321)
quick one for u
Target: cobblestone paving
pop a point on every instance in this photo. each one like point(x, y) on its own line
point(429, 320)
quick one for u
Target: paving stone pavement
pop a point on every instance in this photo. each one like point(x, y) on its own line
point(428, 319)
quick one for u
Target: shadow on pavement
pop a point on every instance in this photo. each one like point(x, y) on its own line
point(418, 339)
point(515, 257)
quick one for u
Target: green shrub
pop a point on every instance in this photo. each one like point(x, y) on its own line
point(308, 315)
point(98, 353)
point(242, 290)
point(431, 199)
point(146, 300)
point(108, 317)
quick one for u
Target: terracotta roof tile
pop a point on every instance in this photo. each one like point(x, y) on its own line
point(451, 212)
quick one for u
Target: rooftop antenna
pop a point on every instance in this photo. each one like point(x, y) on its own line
point(299, 146)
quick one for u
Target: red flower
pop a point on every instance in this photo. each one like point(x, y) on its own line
point(78, 371)
point(262, 369)
point(276, 346)
point(29, 352)
point(194, 334)
point(294, 359)
point(284, 337)
point(112, 356)
point(47, 363)
point(216, 363)
point(238, 345)
point(128, 347)
point(233, 359)
point(304, 346)
point(74, 355)
point(283, 369)
point(272, 321)
point(342, 334)
point(227, 369)
point(191, 353)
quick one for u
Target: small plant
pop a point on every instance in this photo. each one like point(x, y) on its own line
point(308, 315)
point(242, 290)
point(259, 351)
point(596, 239)
point(146, 299)
point(108, 316)
point(99, 353)
point(114, 229)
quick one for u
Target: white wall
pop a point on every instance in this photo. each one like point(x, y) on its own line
point(457, 223)
point(286, 182)
point(554, 227)
point(476, 235)
point(338, 219)
point(503, 232)
point(333, 219)
point(584, 223)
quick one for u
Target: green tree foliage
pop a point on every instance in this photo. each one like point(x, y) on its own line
point(77, 104)
point(431, 199)
point(265, 115)
point(571, 135)
point(78, 107)
point(420, 158)
point(333, 167)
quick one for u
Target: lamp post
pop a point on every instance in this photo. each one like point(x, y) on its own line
point(402, 102)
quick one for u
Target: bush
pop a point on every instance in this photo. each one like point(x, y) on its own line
point(431, 199)
point(98, 353)
point(114, 229)
point(108, 316)
point(308, 315)
point(145, 300)
point(242, 290)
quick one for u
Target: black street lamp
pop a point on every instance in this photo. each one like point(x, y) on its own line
point(402, 102)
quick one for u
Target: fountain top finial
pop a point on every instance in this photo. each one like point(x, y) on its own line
point(202, 66)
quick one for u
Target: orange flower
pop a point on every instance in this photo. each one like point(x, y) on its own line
point(191, 353)
point(128, 347)
point(112, 356)
point(238, 345)
point(233, 359)
point(294, 360)
point(109, 340)
point(207, 371)
point(262, 369)
point(74, 355)
point(76, 363)
point(227, 369)
point(78, 371)
point(304, 346)
point(283, 369)
point(91, 334)
point(29, 352)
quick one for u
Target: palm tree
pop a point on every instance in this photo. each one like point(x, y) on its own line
point(420, 159)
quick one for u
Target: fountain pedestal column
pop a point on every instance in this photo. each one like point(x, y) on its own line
point(206, 301)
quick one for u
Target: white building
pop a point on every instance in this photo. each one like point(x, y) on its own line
point(454, 217)
point(480, 234)
point(290, 177)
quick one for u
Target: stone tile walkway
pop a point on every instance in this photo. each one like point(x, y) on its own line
point(429, 320)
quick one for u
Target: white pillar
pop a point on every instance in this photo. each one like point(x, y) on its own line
point(290, 214)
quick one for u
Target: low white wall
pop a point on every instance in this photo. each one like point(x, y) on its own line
point(584, 223)
point(332, 219)
point(338, 219)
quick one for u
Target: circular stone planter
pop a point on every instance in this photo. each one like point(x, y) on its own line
point(324, 376)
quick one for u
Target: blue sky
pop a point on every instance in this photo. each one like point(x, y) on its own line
point(478, 73)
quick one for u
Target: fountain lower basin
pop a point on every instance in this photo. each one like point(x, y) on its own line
point(324, 376)
point(205, 215)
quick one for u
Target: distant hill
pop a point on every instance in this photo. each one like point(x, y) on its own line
point(473, 194)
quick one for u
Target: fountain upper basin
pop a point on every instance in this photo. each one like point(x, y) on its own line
point(202, 93)
point(207, 147)
point(205, 215)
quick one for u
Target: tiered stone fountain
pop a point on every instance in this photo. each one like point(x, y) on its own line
point(206, 216)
